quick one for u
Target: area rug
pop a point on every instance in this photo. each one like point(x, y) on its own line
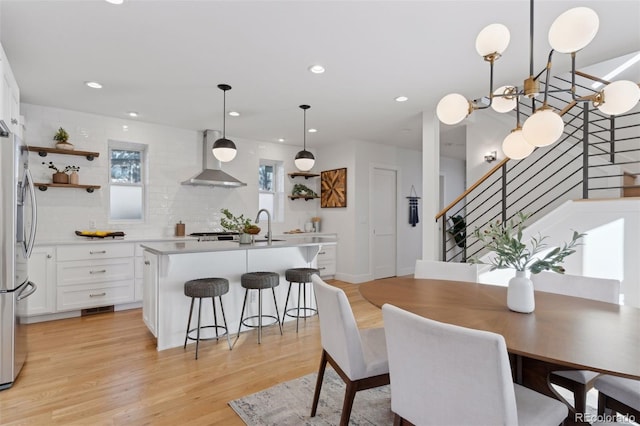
point(289, 403)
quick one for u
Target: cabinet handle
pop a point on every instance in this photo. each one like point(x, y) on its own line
point(323, 267)
point(49, 256)
point(98, 252)
point(101, 271)
point(146, 262)
point(98, 295)
point(322, 252)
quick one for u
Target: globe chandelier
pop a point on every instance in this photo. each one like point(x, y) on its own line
point(304, 160)
point(569, 33)
point(224, 149)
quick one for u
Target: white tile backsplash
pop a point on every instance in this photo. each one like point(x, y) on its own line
point(174, 155)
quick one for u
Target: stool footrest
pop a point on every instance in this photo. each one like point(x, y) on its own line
point(193, 330)
point(275, 319)
point(303, 312)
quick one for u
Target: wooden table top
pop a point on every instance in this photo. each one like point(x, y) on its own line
point(567, 331)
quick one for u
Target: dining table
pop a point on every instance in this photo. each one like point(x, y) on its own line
point(562, 333)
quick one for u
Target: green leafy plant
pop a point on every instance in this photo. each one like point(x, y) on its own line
point(505, 240)
point(61, 170)
point(235, 223)
point(300, 189)
point(61, 136)
point(458, 230)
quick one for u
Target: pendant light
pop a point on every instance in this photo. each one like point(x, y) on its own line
point(304, 159)
point(224, 149)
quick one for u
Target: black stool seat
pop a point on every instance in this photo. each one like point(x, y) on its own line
point(260, 280)
point(302, 276)
point(203, 288)
point(206, 287)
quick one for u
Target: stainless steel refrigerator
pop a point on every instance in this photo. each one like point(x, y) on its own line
point(17, 234)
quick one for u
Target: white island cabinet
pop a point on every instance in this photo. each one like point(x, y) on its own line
point(169, 265)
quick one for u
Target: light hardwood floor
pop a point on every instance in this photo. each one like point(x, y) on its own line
point(104, 370)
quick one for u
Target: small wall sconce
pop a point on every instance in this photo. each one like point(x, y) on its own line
point(490, 156)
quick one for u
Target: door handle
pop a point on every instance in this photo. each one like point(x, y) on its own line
point(26, 293)
point(34, 213)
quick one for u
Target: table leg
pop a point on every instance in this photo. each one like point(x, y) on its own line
point(534, 374)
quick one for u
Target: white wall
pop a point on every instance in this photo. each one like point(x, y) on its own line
point(353, 222)
point(174, 155)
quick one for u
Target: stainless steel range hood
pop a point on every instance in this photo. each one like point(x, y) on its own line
point(212, 174)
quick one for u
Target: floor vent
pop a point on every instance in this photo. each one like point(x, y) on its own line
point(99, 310)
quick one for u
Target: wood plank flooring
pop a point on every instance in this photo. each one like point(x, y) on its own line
point(104, 370)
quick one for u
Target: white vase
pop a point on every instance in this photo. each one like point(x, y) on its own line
point(520, 296)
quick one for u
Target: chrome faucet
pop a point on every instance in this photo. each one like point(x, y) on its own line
point(268, 223)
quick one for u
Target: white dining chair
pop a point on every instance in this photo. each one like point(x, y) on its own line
point(454, 271)
point(443, 374)
point(358, 356)
point(618, 394)
point(579, 382)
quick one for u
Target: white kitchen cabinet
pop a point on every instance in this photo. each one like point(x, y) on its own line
point(150, 289)
point(42, 272)
point(326, 260)
point(94, 275)
point(10, 93)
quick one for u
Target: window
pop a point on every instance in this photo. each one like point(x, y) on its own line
point(127, 181)
point(271, 188)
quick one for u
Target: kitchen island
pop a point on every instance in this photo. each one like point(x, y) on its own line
point(167, 266)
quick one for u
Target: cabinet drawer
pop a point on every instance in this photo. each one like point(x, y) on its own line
point(91, 296)
point(327, 253)
point(85, 271)
point(94, 251)
point(327, 269)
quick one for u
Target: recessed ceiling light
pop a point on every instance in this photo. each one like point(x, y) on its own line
point(312, 130)
point(125, 128)
point(402, 99)
point(132, 114)
point(93, 84)
point(115, 1)
point(316, 69)
point(234, 113)
point(281, 140)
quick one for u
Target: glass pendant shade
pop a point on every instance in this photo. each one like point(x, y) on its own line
point(304, 161)
point(619, 97)
point(543, 128)
point(515, 146)
point(573, 30)
point(492, 39)
point(504, 104)
point(224, 150)
point(452, 109)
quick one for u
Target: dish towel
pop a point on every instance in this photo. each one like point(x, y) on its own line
point(413, 211)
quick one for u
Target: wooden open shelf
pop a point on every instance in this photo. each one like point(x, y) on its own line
point(45, 186)
point(306, 175)
point(43, 151)
point(306, 197)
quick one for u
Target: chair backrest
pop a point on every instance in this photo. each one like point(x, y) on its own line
point(446, 270)
point(338, 329)
point(602, 289)
point(442, 374)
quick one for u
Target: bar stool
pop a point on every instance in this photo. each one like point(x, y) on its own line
point(204, 288)
point(259, 281)
point(302, 276)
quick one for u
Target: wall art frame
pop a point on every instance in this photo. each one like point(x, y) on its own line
point(333, 188)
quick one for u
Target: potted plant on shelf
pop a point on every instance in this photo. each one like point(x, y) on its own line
point(60, 175)
point(505, 241)
point(300, 190)
point(239, 224)
point(62, 139)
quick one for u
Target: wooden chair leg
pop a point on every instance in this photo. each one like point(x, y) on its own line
point(316, 394)
point(349, 396)
point(397, 420)
point(580, 398)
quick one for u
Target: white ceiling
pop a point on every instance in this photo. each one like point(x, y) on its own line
point(164, 59)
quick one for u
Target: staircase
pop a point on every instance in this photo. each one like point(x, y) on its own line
point(598, 157)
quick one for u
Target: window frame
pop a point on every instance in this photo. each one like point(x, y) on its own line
point(114, 145)
point(277, 188)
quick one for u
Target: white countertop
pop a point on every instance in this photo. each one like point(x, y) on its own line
point(182, 247)
point(84, 240)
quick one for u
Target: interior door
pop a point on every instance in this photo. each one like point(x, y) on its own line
point(384, 223)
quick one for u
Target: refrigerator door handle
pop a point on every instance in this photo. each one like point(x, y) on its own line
point(24, 293)
point(34, 213)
